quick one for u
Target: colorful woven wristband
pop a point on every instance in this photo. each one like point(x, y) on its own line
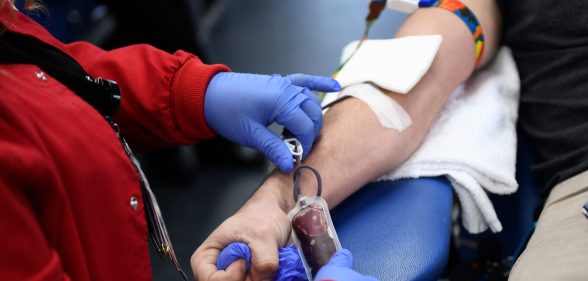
point(465, 14)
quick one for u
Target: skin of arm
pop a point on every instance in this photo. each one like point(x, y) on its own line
point(353, 148)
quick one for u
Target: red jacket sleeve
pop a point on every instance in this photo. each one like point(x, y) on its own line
point(162, 94)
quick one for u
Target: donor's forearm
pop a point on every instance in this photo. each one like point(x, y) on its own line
point(354, 148)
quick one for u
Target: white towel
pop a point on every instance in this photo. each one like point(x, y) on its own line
point(473, 142)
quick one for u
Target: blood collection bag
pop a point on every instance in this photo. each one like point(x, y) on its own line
point(313, 233)
point(312, 229)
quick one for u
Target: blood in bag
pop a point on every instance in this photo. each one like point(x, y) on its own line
point(316, 240)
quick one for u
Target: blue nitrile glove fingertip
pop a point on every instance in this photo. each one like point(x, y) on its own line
point(342, 258)
point(329, 84)
point(329, 272)
point(231, 253)
point(340, 268)
point(315, 83)
point(286, 165)
point(337, 86)
point(333, 85)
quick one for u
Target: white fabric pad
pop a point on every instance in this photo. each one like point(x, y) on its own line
point(473, 142)
point(393, 64)
point(405, 6)
point(389, 112)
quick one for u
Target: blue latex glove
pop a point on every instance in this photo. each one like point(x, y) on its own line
point(290, 268)
point(240, 106)
point(340, 268)
point(231, 253)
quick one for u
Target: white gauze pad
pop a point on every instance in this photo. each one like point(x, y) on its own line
point(392, 64)
point(390, 113)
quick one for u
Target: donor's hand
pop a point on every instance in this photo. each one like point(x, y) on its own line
point(263, 226)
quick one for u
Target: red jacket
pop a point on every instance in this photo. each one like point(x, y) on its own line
point(65, 180)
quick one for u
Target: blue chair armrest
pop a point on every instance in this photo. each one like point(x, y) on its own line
point(398, 230)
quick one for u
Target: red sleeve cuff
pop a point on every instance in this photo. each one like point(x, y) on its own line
point(188, 90)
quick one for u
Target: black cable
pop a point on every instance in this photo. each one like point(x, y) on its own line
point(298, 171)
point(298, 174)
point(335, 102)
point(184, 275)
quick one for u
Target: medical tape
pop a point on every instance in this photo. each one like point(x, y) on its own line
point(388, 111)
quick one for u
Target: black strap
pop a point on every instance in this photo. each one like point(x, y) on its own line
point(99, 93)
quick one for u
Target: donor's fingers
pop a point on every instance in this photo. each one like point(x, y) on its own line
point(262, 226)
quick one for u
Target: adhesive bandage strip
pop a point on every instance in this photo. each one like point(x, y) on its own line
point(389, 112)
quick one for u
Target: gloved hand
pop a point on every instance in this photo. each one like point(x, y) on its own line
point(240, 106)
point(340, 268)
point(290, 268)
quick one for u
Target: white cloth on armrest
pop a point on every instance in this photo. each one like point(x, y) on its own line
point(473, 142)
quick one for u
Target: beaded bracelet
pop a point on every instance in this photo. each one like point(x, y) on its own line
point(465, 14)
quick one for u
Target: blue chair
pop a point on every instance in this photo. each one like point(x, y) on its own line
point(398, 230)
